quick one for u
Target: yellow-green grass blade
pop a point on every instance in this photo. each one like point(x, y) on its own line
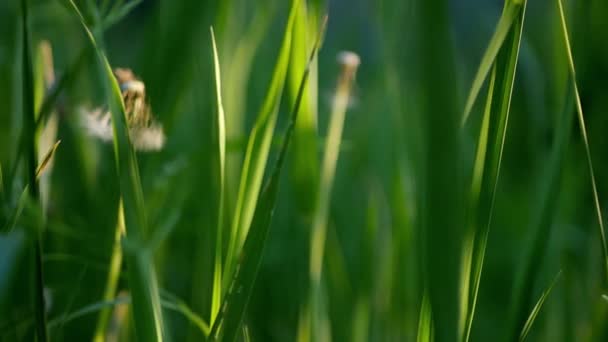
point(256, 155)
point(487, 168)
point(227, 324)
point(583, 131)
point(142, 279)
point(532, 318)
point(503, 28)
point(304, 170)
point(221, 136)
point(425, 321)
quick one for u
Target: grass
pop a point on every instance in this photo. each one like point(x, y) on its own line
point(433, 197)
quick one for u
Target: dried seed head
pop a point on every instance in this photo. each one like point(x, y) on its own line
point(349, 59)
point(145, 132)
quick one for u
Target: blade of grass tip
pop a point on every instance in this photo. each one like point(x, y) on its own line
point(142, 279)
point(30, 145)
point(221, 134)
point(496, 42)
point(536, 309)
point(236, 299)
point(583, 130)
point(256, 155)
point(425, 321)
point(350, 62)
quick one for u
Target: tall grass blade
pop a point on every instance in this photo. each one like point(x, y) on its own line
point(583, 131)
point(503, 28)
point(486, 171)
point(256, 155)
point(142, 279)
point(221, 136)
point(227, 323)
point(536, 309)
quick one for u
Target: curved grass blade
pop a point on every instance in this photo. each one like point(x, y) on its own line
point(536, 309)
point(503, 28)
point(256, 155)
point(221, 136)
point(583, 130)
point(142, 279)
point(47, 159)
point(226, 325)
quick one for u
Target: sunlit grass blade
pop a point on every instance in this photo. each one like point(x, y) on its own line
point(503, 28)
point(226, 325)
point(221, 136)
point(142, 279)
point(583, 131)
point(256, 155)
point(536, 309)
point(425, 321)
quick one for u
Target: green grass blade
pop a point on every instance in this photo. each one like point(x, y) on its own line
point(30, 144)
point(425, 321)
point(258, 147)
point(236, 299)
point(47, 159)
point(531, 319)
point(142, 279)
point(583, 131)
point(221, 135)
point(487, 167)
point(503, 28)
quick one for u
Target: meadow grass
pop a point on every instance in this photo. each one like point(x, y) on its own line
point(431, 185)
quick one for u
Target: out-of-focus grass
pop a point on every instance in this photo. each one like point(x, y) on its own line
point(408, 254)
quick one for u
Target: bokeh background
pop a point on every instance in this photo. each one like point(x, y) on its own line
point(373, 274)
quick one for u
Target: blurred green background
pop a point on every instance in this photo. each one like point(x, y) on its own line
point(373, 275)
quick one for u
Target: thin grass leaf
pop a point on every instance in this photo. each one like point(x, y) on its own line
point(86, 310)
point(536, 309)
point(226, 326)
point(142, 279)
point(118, 12)
point(583, 131)
point(425, 321)
point(503, 28)
point(47, 159)
point(221, 136)
point(258, 148)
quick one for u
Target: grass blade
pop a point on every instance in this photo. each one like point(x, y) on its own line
point(236, 299)
point(503, 28)
point(221, 136)
point(536, 309)
point(258, 148)
point(425, 321)
point(487, 167)
point(583, 131)
point(142, 279)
